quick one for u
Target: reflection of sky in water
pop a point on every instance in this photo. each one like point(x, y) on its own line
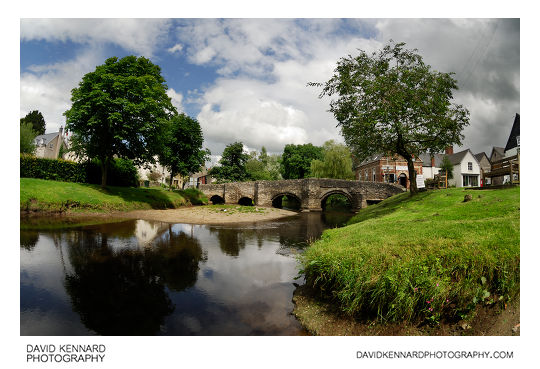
point(241, 286)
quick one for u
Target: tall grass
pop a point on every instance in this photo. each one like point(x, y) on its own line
point(431, 256)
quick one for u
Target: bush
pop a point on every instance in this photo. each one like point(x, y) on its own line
point(121, 172)
point(52, 169)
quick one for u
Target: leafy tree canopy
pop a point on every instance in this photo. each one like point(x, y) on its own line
point(296, 160)
point(392, 102)
point(336, 163)
point(261, 166)
point(27, 135)
point(120, 109)
point(182, 151)
point(232, 166)
point(36, 119)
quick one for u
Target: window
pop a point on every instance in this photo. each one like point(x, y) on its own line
point(373, 171)
point(470, 181)
point(469, 165)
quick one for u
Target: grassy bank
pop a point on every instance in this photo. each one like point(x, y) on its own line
point(38, 195)
point(430, 257)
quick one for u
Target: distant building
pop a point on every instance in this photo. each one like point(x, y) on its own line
point(485, 167)
point(49, 145)
point(510, 151)
point(386, 168)
point(466, 171)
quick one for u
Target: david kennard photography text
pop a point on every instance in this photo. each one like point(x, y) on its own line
point(65, 353)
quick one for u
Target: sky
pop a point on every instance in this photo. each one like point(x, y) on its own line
point(245, 79)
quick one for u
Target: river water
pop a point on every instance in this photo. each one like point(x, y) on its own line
point(142, 277)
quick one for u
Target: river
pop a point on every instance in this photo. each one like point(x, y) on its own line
point(141, 277)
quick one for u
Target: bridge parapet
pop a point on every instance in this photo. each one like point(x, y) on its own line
point(311, 192)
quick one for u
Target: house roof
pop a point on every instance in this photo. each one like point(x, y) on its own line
point(426, 159)
point(458, 157)
point(479, 156)
point(48, 137)
point(498, 150)
point(512, 142)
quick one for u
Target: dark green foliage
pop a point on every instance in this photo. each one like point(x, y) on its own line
point(182, 151)
point(52, 169)
point(121, 172)
point(391, 102)
point(27, 135)
point(35, 118)
point(232, 166)
point(119, 109)
point(296, 160)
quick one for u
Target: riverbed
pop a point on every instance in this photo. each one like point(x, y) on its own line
point(150, 277)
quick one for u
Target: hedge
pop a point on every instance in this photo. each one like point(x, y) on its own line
point(121, 172)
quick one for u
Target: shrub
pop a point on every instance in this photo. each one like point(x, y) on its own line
point(121, 172)
point(51, 169)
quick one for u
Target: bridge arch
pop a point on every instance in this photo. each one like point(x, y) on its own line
point(277, 199)
point(216, 199)
point(352, 201)
point(246, 201)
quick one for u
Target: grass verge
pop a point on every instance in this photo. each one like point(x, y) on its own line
point(429, 257)
point(38, 195)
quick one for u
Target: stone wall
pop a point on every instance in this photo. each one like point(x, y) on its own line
point(311, 191)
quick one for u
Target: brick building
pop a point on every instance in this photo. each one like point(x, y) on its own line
point(386, 168)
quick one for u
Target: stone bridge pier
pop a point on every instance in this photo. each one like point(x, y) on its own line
point(311, 193)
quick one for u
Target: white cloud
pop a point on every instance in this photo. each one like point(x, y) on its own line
point(269, 104)
point(48, 87)
point(175, 49)
point(140, 35)
point(176, 99)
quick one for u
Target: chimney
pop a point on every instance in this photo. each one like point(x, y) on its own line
point(449, 150)
point(58, 142)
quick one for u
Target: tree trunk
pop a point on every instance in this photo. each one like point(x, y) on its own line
point(412, 176)
point(170, 181)
point(104, 169)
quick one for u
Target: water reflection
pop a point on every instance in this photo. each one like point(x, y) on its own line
point(148, 278)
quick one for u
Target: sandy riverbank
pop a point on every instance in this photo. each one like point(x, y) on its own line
point(208, 215)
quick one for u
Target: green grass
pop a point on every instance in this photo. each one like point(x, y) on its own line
point(430, 257)
point(54, 196)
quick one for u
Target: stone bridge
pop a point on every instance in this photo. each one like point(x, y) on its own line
point(311, 193)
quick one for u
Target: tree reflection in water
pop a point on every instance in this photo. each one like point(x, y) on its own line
point(123, 292)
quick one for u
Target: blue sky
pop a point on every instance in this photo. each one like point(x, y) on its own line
point(245, 79)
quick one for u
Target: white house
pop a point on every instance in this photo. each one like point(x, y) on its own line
point(466, 171)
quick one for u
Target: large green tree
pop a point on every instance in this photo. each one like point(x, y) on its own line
point(182, 151)
point(390, 101)
point(232, 166)
point(296, 160)
point(37, 121)
point(120, 109)
point(336, 162)
point(27, 135)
